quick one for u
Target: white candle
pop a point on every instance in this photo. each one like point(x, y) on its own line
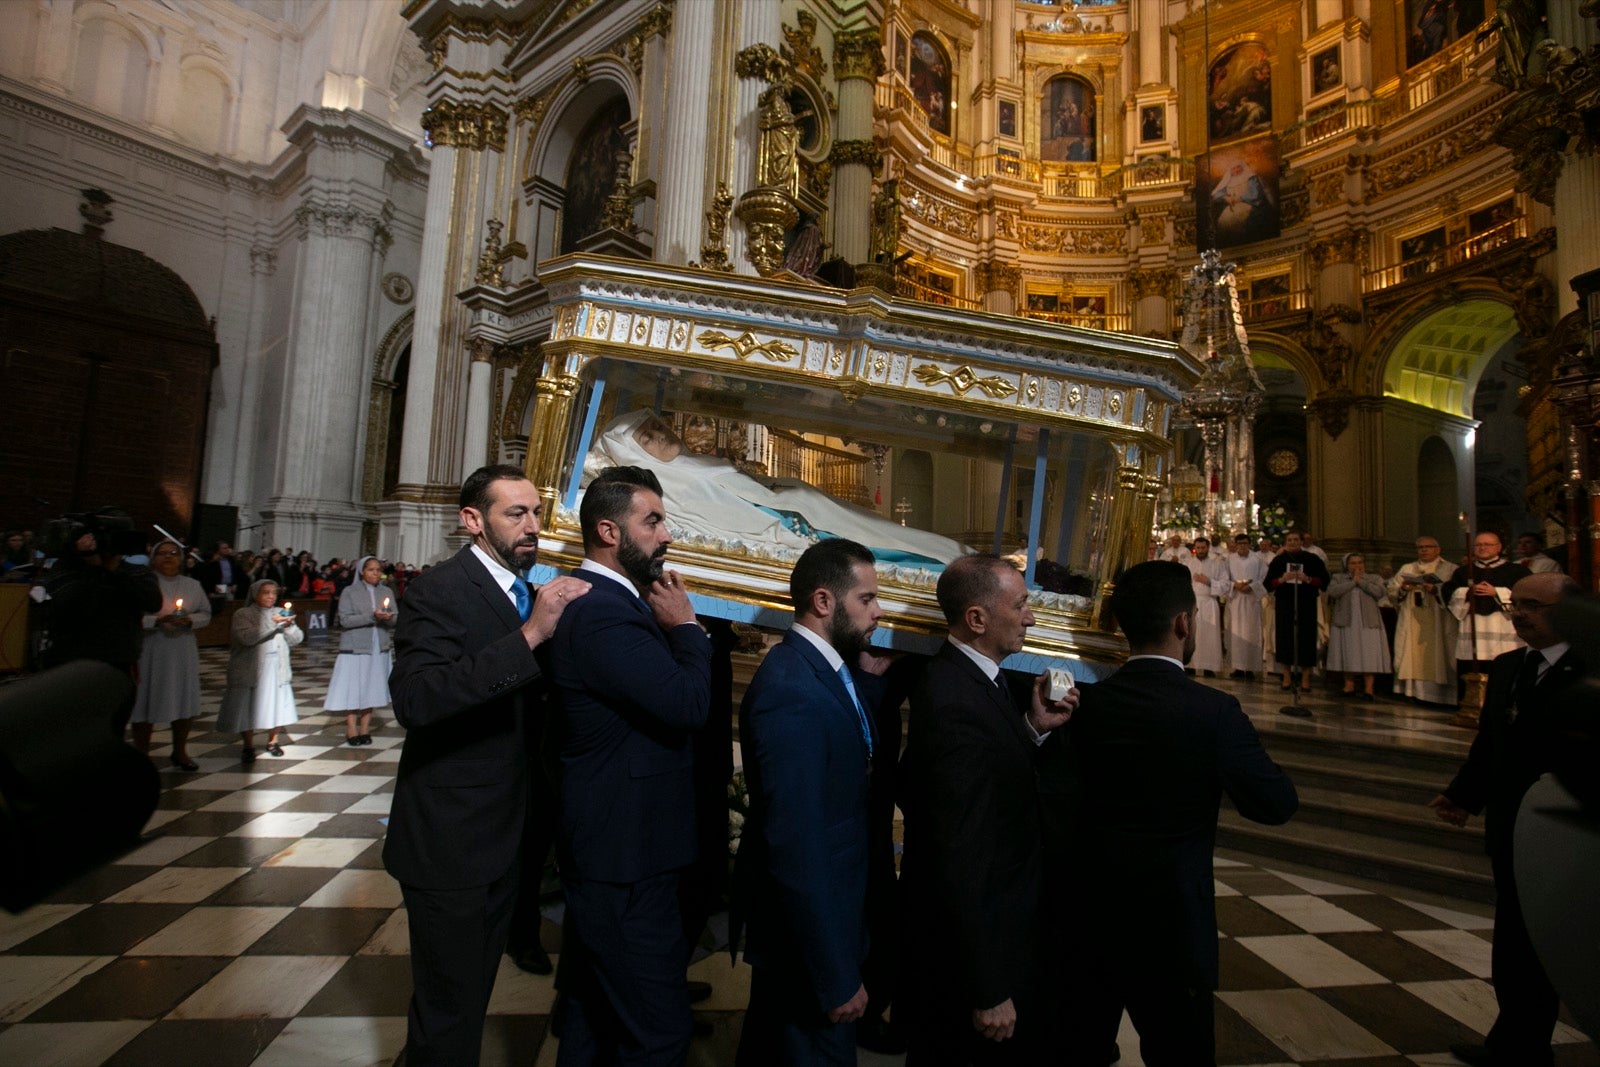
point(179, 606)
point(385, 603)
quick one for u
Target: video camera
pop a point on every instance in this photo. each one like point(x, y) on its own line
point(115, 533)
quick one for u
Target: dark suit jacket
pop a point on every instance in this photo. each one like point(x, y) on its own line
point(461, 689)
point(1152, 752)
point(1512, 751)
point(209, 575)
point(970, 873)
point(629, 697)
point(801, 874)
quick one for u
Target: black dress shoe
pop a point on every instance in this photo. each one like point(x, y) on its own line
point(247, 755)
point(354, 741)
point(534, 960)
point(364, 739)
point(185, 764)
point(884, 1038)
point(699, 991)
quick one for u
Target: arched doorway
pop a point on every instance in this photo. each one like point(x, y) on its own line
point(107, 366)
point(1438, 497)
point(1282, 456)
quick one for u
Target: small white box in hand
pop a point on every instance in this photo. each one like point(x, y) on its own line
point(1060, 682)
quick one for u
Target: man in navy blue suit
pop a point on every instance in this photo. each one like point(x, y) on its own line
point(464, 684)
point(632, 675)
point(1152, 751)
point(806, 732)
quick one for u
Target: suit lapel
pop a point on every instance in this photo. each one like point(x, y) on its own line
point(999, 695)
point(828, 679)
point(489, 589)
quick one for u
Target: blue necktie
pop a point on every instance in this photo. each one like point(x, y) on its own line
point(524, 599)
point(850, 687)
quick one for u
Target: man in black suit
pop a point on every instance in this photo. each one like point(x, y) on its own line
point(1151, 752)
point(1519, 739)
point(218, 576)
point(971, 869)
point(808, 739)
point(632, 673)
point(461, 684)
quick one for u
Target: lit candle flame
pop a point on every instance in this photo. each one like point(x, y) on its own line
point(385, 603)
point(180, 605)
point(288, 606)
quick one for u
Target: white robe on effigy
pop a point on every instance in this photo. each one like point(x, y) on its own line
point(1208, 597)
point(1245, 649)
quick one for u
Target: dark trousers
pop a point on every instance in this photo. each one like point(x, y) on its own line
point(784, 1028)
point(624, 999)
point(1528, 1002)
point(538, 833)
point(1176, 1023)
point(457, 936)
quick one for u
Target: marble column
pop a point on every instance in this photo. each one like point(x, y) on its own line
point(480, 395)
point(681, 188)
point(760, 33)
point(1578, 222)
point(857, 63)
point(1151, 32)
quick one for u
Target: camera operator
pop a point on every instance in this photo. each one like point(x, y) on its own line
point(97, 601)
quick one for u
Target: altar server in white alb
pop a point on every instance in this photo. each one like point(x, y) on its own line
point(1425, 631)
point(1209, 575)
point(360, 682)
point(169, 662)
point(1479, 596)
point(1246, 573)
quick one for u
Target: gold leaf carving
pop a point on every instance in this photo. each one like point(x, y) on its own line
point(748, 344)
point(963, 379)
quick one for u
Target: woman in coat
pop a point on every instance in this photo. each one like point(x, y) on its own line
point(259, 696)
point(361, 672)
point(169, 662)
point(1357, 643)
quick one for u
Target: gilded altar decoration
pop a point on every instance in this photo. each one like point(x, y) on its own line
point(1151, 282)
point(491, 265)
point(761, 61)
point(865, 153)
point(885, 241)
point(769, 210)
point(858, 54)
point(1153, 228)
point(942, 214)
point(799, 47)
point(1073, 239)
point(963, 379)
point(1557, 104)
point(657, 21)
point(776, 166)
point(618, 213)
point(993, 276)
point(1342, 246)
point(1426, 161)
point(714, 249)
point(748, 344)
point(470, 126)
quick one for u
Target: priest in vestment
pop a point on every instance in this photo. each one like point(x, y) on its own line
point(1209, 575)
point(1425, 631)
point(1490, 576)
point(1247, 573)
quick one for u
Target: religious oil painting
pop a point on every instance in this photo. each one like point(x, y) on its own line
point(1007, 111)
point(1433, 24)
point(592, 174)
point(1240, 188)
point(902, 55)
point(1239, 96)
point(1067, 121)
point(930, 81)
point(1269, 295)
point(1326, 72)
point(1153, 123)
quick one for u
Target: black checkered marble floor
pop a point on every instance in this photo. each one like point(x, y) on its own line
point(256, 925)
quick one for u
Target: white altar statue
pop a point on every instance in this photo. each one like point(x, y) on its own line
point(709, 499)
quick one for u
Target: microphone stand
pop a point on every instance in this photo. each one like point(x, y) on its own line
point(1293, 708)
point(1476, 682)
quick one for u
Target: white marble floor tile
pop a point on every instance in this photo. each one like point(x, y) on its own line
point(357, 889)
point(160, 817)
point(1128, 1044)
point(1468, 1001)
point(1218, 861)
point(161, 851)
point(1311, 962)
point(1314, 915)
point(1320, 888)
point(15, 929)
point(393, 938)
point(283, 824)
point(318, 767)
point(1461, 920)
point(229, 780)
point(211, 932)
point(256, 800)
point(27, 983)
point(66, 1044)
point(304, 750)
point(1466, 950)
point(730, 983)
point(177, 885)
point(1303, 1025)
point(516, 992)
point(388, 755)
point(320, 852)
point(1225, 890)
point(260, 987)
point(336, 1042)
point(387, 742)
point(371, 804)
point(351, 783)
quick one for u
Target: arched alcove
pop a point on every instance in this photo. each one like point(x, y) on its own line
point(931, 81)
point(1437, 361)
point(913, 484)
point(1437, 493)
point(1283, 460)
point(1067, 121)
point(111, 68)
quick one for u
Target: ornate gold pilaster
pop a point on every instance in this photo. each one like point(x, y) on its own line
point(858, 54)
point(1124, 507)
point(761, 61)
point(864, 153)
point(714, 249)
point(1157, 281)
point(657, 22)
point(552, 414)
point(469, 126)
point(1341, 246)
point(993, 276)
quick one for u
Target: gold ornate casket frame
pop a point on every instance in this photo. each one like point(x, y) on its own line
point(862, 365)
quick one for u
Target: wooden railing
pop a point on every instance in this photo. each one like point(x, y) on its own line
point(912, 290)
point(1449, 256)
point(1329, 123)
point(833, 470)
point(1112, 320)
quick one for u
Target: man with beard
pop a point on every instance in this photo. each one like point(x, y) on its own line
point(1296, 578)
point(1210, 578)
point(463, 686)
point(1482, 589)
point(632, 675)
point(1246, 573)
point(806, 732)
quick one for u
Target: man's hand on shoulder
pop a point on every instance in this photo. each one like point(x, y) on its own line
point(850, 1010)
point(1045, 716)
point(997, 1023)
point(553, 598)
point(1449, 810)
point(669, 600)
point(877, 660)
